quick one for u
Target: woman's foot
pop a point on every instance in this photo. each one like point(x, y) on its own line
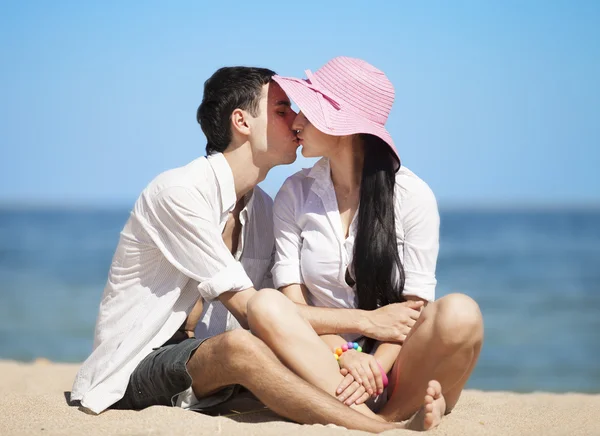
point(434, 407)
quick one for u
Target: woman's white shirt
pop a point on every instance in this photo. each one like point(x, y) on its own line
point(311, 248)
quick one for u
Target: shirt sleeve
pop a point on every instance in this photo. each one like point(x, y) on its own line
point(421, 222)
point(181, 224)
point(288, 240)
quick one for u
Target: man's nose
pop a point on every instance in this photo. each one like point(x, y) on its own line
point(292, 119)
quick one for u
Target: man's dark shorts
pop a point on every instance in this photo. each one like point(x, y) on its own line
point(162, 376)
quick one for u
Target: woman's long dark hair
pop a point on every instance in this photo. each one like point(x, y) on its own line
point(378, 272)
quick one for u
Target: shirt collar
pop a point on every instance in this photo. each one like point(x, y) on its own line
point(248, 202)
point(320, 171)
point(323, 186)
point(225, 181)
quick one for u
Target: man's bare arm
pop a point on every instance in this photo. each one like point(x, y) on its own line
point(325, 320)
point(388, 323)
point(237, 304)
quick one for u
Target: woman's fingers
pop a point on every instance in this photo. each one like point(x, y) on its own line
point(372, 376)
point(362, 399)
point(377, 376)
point(367, 378)
point(349, 391)
point(348, 379)
point(356, 375)
point(355, 396)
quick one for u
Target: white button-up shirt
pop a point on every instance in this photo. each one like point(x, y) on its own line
point(171, 253)
point(311, 248)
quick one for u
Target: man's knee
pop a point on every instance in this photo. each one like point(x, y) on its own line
point(239, 340)
point(227, 359)
point(458, 320)
point(230, 350)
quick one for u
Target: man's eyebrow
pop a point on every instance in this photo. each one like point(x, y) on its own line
point(283, 103)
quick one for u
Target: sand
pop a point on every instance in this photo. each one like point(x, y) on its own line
point(34, 401)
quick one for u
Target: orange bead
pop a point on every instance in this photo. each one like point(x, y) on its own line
point(339, 351)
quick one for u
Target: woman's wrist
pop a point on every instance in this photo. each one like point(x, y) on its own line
point(384, 376)
point(353, 346)
point(346, 347)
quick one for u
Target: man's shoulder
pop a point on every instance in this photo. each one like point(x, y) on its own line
point(262, 198)
point(262, 204)
point(193, 176)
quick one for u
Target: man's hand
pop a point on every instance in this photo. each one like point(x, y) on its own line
point(393, 322)
point(189, 326)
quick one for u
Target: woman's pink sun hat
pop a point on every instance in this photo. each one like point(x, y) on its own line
point(344, 97)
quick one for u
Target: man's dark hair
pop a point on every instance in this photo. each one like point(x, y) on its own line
point(229, 88)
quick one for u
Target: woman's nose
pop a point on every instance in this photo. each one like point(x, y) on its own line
point(298, 123)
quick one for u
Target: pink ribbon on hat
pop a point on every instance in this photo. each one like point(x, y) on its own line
point(323, 95)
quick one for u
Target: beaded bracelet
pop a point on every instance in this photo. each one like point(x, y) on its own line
point(354, 346)
point(384, 377)
point(349, 346)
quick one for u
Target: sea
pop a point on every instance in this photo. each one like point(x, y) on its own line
point(535, 274)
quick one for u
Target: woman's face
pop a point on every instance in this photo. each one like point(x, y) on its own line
point(314, 142)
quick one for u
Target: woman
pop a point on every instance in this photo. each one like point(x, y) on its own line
point(360, 231)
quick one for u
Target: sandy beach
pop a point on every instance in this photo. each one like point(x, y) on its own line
point(34, 401)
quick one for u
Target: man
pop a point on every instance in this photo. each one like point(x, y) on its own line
point(203, 232)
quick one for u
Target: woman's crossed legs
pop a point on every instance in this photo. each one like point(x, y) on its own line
point(442, 349)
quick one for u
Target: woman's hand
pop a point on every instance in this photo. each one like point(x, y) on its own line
point(351, 392)
point(362, 377)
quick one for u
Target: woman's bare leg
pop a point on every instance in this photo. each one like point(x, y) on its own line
point(443, 345)
point(276, 321)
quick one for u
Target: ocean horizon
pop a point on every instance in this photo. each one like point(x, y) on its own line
point(534, 272)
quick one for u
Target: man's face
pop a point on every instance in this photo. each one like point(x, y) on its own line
point(273, 140)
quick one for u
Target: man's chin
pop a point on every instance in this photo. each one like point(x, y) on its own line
point(286, 160)
point(291, 160)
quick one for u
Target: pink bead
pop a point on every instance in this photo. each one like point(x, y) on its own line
point(345, 347)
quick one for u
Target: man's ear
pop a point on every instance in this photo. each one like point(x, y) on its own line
point(239, 122)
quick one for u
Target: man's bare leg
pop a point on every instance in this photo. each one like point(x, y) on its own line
point(275, 319)
point(443, 345)
point(237, 357)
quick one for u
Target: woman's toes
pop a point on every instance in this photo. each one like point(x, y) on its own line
point(436, 386)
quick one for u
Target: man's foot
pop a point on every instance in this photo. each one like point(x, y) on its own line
point(434, 407)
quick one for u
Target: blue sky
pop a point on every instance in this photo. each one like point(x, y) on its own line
point(497, 103)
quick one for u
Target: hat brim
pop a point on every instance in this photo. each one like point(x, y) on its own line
point(327, 118)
